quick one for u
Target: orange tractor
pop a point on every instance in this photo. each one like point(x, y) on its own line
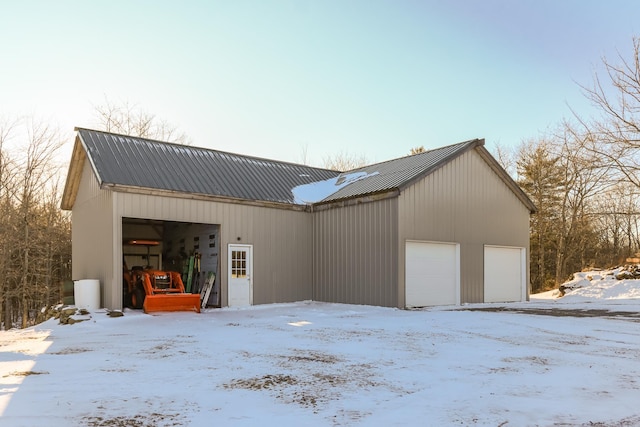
point(154, 290)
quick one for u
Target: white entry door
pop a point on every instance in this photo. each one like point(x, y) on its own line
point(504, 274)
point(240, 275)
point(432, 274)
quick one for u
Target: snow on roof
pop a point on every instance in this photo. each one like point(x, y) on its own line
point(317, 191)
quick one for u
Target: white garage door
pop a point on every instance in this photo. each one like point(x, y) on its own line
point(504, 274)
point(432, 274)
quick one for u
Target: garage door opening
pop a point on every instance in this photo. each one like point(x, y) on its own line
point(189, 251)
point(432, 274)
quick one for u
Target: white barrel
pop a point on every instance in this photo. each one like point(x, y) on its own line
point(86, 293)
point(77, 292)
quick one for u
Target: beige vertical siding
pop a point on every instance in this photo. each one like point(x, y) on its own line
point(355, 254)
point(463, 202)
point(91, 235)
point(281, 239)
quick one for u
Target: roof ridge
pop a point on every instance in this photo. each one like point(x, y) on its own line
point(469, 141)
point(229, 153)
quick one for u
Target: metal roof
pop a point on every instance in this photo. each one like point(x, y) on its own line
point(127, 162)
point(398, 173)
point(120, 160)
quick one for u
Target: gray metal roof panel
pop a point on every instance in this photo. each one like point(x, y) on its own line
point(396, 173)
point(139, 162)
point(144, 163)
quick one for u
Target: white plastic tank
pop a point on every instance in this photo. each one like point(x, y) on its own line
point(86, 293)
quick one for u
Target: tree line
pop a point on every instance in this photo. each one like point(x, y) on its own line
point(584, 178)
point(35, 235)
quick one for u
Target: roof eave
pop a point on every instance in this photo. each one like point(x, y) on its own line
point(78, 159)
point(356, 200)
point(74, 175)
point(200, 196)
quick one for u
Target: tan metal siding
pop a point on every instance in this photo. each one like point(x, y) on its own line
point(91, 236)
point(463, 202)
point(281, 239)
point(355, 254)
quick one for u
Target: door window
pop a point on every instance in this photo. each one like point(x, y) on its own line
point(238, 264)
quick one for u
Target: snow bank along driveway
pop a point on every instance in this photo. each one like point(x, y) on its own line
point(324, 364)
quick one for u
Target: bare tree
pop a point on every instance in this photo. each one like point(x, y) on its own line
point(616, 212)
point(417, 150)
point(37, 169)
point(582, 179)
point(506, 156)
point(564, 176)
point(32, 227)
point(616, 95)
point(304, 154)
point(7, 232)
point(130, 119)
point(344, 161)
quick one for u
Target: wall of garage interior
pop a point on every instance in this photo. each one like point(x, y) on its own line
point(355, 254)
point(463, 202)
point(182, 240)
point(282, 255)
point(136, 255)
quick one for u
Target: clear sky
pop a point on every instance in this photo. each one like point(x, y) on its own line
point(268, 78)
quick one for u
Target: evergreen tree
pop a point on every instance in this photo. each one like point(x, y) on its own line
point(540, 176)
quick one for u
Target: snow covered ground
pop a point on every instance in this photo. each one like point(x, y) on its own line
point(569, 361)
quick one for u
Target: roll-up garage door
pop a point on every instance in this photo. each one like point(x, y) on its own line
point(504, 274)
point(432, 274)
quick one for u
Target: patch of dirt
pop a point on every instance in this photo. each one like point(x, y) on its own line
point(625, 422)
point(535, 360)
point(160, 351)
point(504, 370)
point(313, 379)
point(149, 420)
point(349, 417)
point(260, 383)
point(562, 312)
point(160, 347)
point(515, 363)
point(25, 374)
point(313, 356)
point(72, 350)
point(117, 370)
point(156, 413)
point(308, 392)
point(333, 380)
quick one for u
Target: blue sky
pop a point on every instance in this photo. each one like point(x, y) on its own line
point(268, 78)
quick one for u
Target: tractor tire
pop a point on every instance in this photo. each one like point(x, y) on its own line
point(137, 297)
point(126, 296)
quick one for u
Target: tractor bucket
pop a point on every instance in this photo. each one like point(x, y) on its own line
point(172, 302)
